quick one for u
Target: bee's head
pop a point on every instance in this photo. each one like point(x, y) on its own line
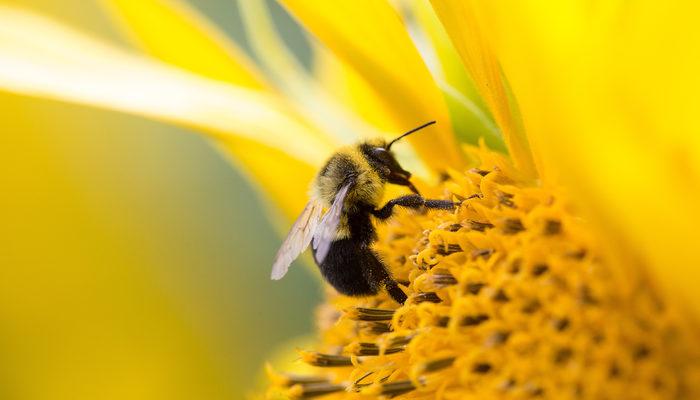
point(381, 158)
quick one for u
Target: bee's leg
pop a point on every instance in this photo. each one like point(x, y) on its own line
point(412, 201)
point(395, 291)
point(378, 276)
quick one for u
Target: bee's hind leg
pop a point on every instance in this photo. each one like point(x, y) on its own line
point(395, 291)
point(379, 277)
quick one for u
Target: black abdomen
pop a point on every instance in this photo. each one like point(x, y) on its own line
point(353, 269)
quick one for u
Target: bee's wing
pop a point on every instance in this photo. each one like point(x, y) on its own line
point(298, 239)
point(326, 231)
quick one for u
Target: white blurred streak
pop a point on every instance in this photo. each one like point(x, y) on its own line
point(40, 57)
point(313, 100)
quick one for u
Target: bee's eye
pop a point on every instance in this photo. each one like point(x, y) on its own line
point(383, 158)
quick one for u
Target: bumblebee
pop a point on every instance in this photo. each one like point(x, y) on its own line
point(351, 186)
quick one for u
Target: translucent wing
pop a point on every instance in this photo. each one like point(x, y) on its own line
point(298, 239)
point(326, 231)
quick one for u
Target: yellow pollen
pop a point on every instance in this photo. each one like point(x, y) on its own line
point(510, 297)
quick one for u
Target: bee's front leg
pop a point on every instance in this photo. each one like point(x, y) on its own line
point(412, 201)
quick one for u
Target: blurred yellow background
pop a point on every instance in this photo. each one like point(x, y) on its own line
point(135, 259)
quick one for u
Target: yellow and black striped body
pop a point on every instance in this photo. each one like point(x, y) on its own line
point(351, 266)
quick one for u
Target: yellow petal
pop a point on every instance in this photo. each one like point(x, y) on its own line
point(267, 44)
point(470, 36)
point(174, 32)
point(352, 90)
point(369, 35)
point(177, 34)
point(304, 92)
point(279, 177)
point(610, 90)
point(470, 116)
point(39, 57)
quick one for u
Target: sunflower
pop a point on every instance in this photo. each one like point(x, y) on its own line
point(566, 130)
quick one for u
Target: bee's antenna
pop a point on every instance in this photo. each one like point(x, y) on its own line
point(408, 133)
